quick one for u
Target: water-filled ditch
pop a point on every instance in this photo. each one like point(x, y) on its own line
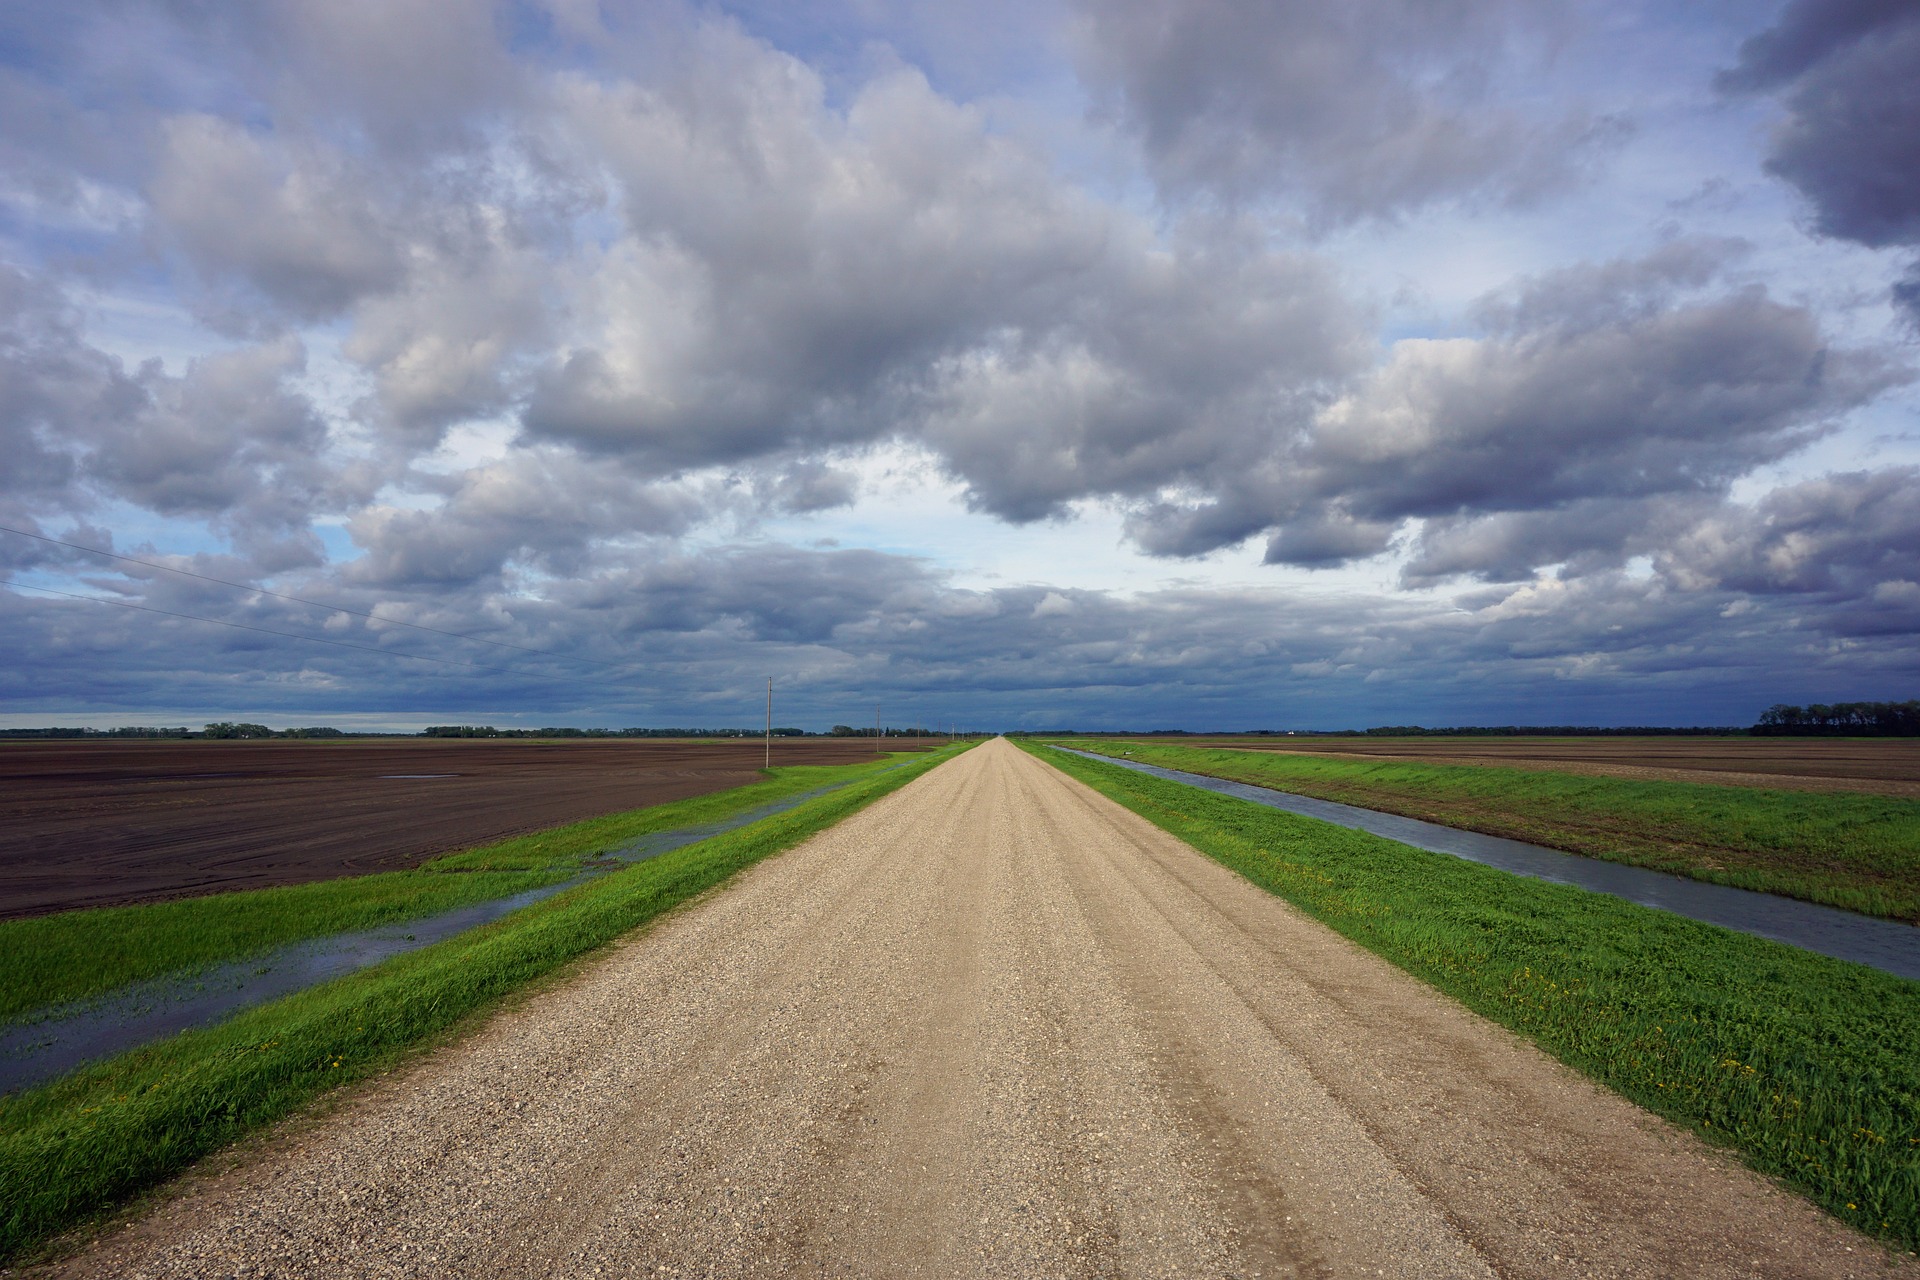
point(59, 1039)
point(1884, 944)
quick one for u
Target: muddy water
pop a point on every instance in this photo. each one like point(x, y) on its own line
point(1884, 944)
point(58, 1040)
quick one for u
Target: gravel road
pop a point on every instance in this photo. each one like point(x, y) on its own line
point(992, 1025)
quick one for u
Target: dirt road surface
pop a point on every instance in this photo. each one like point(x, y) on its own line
point(993, 1025)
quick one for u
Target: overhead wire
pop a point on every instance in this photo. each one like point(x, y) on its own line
point(317, 604)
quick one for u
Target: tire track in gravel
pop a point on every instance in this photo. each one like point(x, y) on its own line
point(992, 1025)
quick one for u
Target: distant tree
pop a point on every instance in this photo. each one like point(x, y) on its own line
point(229, 729)
point(1866, 719)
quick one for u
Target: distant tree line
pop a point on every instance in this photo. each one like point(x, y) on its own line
point(1551, 731)
point(218, 729)
point(1864, 719)
point(488, 731)
point(864, 731)
point(228, 729)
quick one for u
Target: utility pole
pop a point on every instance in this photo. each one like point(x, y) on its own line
point(769, 761)
point(876, 728)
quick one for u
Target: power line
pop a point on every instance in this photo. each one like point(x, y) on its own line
point(279, 595)
point(289, 635)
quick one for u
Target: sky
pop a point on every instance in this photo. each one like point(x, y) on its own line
point(1100, 363)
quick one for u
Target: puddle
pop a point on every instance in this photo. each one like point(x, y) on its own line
point(38, 1051)
point(61, 1039)
point(1887, 945)
point(655, 843)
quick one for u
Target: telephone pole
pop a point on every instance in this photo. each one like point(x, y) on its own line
point(876, 728)
point(769, 760)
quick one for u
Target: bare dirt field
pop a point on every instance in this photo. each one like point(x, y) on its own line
point(1879, 766)
point(993, 1025)
point(87, 824)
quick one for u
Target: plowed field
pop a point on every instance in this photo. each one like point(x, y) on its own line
point(87, 824)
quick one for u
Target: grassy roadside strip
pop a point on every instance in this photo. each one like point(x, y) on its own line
point(1857, 852)
point(79, 1145)
point(1802, 1064)
point(75, 955)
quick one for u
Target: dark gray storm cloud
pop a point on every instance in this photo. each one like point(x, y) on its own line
point(1580, 537)
point(1596, 396)
point(229, 440)
point(1854, 536)
point(1352, 110)
point(529, 323)
point(49, 379)
point(799, 279)
point(1848, 74)
point(769, 278)
point(694, 634)
point(542, 508)
point(1599, 386)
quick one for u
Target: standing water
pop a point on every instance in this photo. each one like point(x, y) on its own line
point(62, 1038)
point(1887, 945)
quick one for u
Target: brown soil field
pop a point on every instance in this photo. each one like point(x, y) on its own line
point(89, 824)
point(1879, 766)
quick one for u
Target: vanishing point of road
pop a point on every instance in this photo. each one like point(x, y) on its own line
point(992, 1025)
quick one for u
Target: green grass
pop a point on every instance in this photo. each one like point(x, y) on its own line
point(1804, 1065)
point(75, 955)
point(1857, 852)
point(82, 1144)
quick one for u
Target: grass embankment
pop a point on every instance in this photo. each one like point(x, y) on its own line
point(1803, 1064)
point(1858, 852)
point(79, 1145)
point(76, 955)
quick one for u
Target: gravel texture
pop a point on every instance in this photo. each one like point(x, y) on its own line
point(992, 1025)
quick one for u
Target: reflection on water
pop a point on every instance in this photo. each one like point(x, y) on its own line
point(1884, 944)
point(60, 1039)
point(656, 843)
point(55, 1044)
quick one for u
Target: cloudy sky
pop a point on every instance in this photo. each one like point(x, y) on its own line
point(1102, 362)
